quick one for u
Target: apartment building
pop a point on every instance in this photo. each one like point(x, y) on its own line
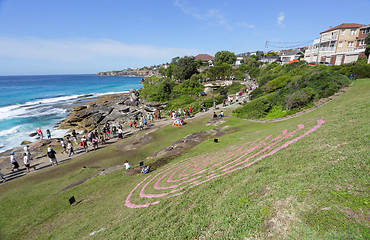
point(337, 45)
point(360, 40)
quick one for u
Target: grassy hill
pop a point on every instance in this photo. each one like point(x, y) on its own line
point(310, 185)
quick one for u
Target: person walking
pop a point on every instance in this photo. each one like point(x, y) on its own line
point(70, 148)
point(141, 124)
point(63, 146)
point(27, 162)
point(74, 136)
point(27, 151)
point(120, 133)
point(95, 142)
point(13, 161)
point(52, 157)
point(83, 143)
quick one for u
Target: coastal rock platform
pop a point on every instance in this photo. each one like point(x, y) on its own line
point(116, 109)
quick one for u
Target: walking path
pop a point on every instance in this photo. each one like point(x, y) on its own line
point(41, 161)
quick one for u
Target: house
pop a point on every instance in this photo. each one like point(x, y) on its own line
point(239, 61)
point(289, 55)
point(205, 58)
point(248, 54)
point(270, 58)
point(336, 45)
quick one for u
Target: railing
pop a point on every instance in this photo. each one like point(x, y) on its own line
point(309, 51)
point(329, 38)
point(322, 49)
point(352, 50)
point(327, 49)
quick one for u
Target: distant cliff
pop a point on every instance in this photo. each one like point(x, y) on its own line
point(142, 72)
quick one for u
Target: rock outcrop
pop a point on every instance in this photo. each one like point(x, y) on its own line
point(115, 110)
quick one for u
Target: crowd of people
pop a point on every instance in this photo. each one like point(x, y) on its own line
point(100, 135)
point(87, 142)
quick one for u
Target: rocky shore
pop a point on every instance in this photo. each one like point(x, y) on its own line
point(116, 109)
point(92, 112)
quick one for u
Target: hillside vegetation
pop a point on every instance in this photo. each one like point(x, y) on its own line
point(283, 89)
point(286, 89)
point(314, 187)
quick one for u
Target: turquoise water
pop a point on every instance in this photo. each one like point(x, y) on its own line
point(28, 102)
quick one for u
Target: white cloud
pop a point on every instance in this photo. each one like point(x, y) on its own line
point(78, 50)
point(280, 19)
point(211, 16)
point(246, 25)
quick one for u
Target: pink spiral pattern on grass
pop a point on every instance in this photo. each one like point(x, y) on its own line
point(186, 174)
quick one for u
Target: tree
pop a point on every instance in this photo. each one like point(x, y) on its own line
point(225, 57)
point(243, 67)
point(162, 71)
point(169, 70)
point(367, 42)
point(221, 70)
point(184, 68)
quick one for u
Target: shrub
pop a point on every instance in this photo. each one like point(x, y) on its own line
point(179, 102)
point(299, 98)
point(156, 89)
point(188, 87)
point(276, 112)
point(255, 109)
point(275, 84)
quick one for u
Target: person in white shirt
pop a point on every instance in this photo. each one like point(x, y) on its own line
point(127, 165)
point(27, 162)
point(27, 151)
point(13, 161)
point(63, 146)
point(120, 133)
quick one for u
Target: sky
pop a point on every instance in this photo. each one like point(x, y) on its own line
point(41, 37)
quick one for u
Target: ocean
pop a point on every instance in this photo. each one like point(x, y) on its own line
point(28, 102)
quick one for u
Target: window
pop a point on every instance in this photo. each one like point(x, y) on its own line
point(340, 44)
point(350, 44)
point(342, 32)
point(331, 45)
point(353, 32)
point(362, 42)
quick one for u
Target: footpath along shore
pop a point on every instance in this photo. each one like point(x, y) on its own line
point(41, 161)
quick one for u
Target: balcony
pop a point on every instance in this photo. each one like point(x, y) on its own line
point(322, 49)
point(352, 50)
point(310, 51)
point(329, 38)
point(327, 49)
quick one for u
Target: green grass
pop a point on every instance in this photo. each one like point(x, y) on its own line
point(317, 188)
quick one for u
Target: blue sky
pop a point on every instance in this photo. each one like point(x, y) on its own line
point(88, 36)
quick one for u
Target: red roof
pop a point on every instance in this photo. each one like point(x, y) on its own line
point(345, 26)
point(204, 57)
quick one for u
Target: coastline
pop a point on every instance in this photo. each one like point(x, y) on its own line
point(41, 161)
point(116, 108)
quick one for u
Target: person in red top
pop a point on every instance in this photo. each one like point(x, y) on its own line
point(190, 109)
point(39, 132)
